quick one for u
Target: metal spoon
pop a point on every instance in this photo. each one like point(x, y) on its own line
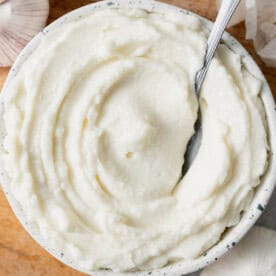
point(226, 11)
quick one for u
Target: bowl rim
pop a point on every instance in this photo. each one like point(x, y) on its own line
point(262, 194)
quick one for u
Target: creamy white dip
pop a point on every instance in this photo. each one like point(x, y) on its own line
point(97, 123)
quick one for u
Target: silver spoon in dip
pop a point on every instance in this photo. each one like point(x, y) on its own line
point(225, 13)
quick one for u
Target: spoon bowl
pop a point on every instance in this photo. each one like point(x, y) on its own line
point(226, 11)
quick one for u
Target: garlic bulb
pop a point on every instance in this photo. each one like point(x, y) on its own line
point(20, 20)
point(254, 255)
point(261, 27)
point(260, 22)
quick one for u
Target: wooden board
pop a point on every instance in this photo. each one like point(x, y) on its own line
point(19, 254)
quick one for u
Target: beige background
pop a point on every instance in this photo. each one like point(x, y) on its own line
point(19, 254)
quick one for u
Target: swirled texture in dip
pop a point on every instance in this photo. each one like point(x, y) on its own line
point(97, 123)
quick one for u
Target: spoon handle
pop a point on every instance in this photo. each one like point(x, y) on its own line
point(226, 11)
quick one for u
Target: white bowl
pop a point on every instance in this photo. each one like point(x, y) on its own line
point(263, 192)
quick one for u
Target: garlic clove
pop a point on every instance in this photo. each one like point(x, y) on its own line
point(254, 255)
point(20, 21)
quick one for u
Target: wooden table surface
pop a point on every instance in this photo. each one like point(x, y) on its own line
point(20, 255)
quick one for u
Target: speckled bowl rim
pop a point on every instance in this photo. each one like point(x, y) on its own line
point(263, 192)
